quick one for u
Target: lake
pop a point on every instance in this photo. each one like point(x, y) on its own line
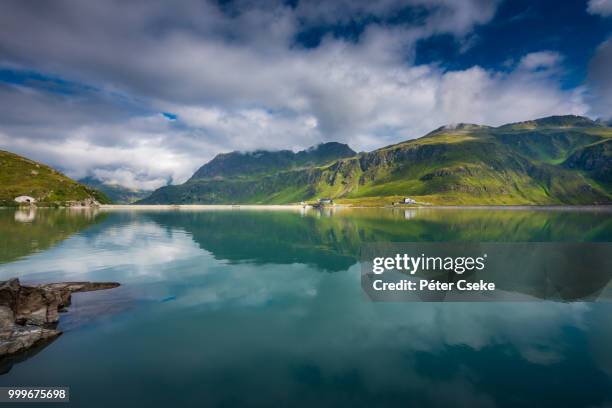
point(265, 308)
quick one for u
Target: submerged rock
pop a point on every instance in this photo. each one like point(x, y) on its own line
point(29, 314)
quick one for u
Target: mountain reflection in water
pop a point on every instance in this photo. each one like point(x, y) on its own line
point(229, 307)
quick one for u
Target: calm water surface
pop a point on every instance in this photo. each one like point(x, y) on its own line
point(265, 308)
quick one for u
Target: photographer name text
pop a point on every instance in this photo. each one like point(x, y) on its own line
point(430, 264)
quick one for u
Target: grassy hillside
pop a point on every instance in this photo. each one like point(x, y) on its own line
point(21, 176)
point(556, 160)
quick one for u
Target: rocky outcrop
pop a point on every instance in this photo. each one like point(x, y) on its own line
point(29, 314)
point(87, 202)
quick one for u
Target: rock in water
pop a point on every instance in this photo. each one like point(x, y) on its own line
point(29, 314)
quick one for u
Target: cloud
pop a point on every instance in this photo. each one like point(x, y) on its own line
point(540, 60)
point(600, 80)
point(233, 85)
point(602, 8)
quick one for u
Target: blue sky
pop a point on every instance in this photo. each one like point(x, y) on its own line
point(144, 92)
point(522, 27)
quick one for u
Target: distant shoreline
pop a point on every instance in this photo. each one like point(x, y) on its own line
point(278, 207)
point(192, 207)
point(199, 206)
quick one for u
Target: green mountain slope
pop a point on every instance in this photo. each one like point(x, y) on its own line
point(116, 193)
point(21, 176)
point(237, 164)
point(556, 160)
point(595, 159)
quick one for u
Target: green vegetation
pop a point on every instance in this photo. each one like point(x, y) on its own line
point(239, 164)
point(551, 161)
point(20, 176)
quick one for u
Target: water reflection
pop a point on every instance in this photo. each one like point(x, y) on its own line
point(231, 307)
point(332, 240)
point(25, 214)
point(25, 231)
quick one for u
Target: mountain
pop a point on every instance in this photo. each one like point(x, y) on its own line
point(116, 193)
point(20, 176)
point(559, 121)
point(238, 164)
point(594, 159)
point(555, 160)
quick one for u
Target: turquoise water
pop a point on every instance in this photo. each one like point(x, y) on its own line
point(265, 308)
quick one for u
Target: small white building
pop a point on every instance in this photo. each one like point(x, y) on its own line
point(409, 200)
point(25, 200)
point(326, 201)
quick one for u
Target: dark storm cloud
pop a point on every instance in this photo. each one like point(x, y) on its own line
point(600, 77)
